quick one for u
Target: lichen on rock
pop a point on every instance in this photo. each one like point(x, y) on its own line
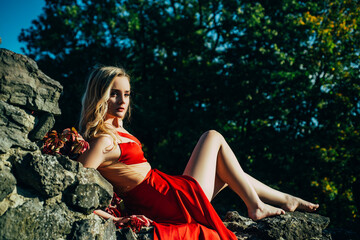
point(291, 226)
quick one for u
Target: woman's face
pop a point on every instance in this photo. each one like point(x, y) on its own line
point(119, 100)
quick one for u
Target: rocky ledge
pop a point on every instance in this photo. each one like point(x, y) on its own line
point(53, 197)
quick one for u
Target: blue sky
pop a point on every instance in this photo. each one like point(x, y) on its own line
point(15, 15)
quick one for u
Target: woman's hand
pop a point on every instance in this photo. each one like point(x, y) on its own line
point(144, 221)
point(121, 220)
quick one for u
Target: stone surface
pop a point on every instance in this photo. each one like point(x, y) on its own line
point(15, 124)
point(45, 122)
point(83, 189)
point(43, 173)
point(8, 182)
point(91, 229)
point(291, 226)
point(126, 233)
point(91, 192)
point(33, 220)
point(28, 101)
point(23, 84)
point(146, 233)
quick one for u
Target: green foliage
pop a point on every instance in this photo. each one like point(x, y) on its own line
point(279, 79)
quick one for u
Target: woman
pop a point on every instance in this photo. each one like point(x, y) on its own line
point(179, 205)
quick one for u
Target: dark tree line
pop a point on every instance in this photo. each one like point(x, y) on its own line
point(279, 79)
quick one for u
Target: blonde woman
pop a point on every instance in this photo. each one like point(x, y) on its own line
point(178, 206)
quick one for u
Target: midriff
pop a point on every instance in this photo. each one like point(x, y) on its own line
point(124, 177)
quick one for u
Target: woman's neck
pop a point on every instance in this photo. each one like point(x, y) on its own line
point(115, 122)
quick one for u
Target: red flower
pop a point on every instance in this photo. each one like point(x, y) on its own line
point(116, 207)
point(69, 143)
point(52, 143)
point(135, 224)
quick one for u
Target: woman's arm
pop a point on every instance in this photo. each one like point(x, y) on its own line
point(105, 215)
point(98, 152)
point(121, 220)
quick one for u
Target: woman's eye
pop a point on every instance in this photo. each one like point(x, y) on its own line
point(113, 93)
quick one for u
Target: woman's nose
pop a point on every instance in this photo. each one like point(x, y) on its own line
point(121, 99)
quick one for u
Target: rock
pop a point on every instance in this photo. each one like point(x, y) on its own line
point(88, 197)
point(15, 124)
point(91, 192)
point(82, 188)
point(8, 182)
point(11, 201)
point(91, 229)
point(45, 122)
point(291, 226)
point(33, 220)
point(126, 233)
point(72, 166)
point(23, 84)
point(146, 233)
point(43, 173)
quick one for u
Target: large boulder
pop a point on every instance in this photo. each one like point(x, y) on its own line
point(36, 219)
point(33, 220)
point(91, 191)
point(46, 199)
point(28, 101)
point(92, 229)
point(82, 188)
point(42, 196)
point(290, 226)
point(43, 173)
point(23, 84)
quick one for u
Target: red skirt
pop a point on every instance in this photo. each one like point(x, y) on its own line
point(178, 206)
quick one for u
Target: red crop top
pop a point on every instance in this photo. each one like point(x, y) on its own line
point(131, 152)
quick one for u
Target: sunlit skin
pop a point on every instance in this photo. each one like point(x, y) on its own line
point(212, 163)
point(118, 105)
point(118, 102)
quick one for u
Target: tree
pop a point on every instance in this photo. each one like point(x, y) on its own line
point(280, 79)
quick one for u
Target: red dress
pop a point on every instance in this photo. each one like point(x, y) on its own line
point(177, 204)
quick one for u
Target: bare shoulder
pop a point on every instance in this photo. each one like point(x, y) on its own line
point(101, 149)
point(103, 142)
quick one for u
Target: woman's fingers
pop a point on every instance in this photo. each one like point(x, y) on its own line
point(122, 220)
point(143, 219)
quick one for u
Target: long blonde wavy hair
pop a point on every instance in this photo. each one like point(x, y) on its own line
point(94, 102)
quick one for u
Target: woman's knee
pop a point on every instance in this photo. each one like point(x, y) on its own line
point(213, 134)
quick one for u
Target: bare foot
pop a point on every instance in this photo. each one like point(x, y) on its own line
point(293, 203)
point(264, 211)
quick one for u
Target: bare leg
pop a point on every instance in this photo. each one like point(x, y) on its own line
point(213, 164)
point(283, 200)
